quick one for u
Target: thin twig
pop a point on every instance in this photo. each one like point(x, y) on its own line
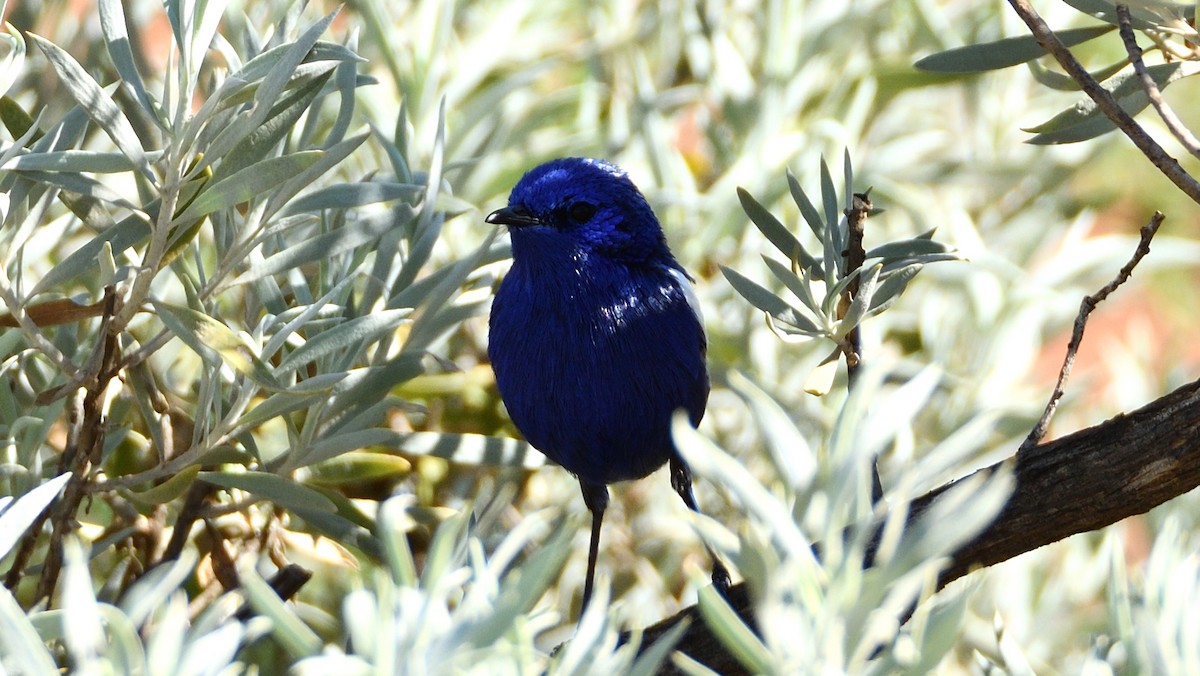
point(856, 255)
point(1085, 308)
point(1104, 100)
point(81, 457)
point(29, 541)
point(1176, 126)
point(856, 220)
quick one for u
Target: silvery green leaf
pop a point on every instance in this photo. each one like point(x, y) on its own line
point(285, 401)
point(1106, 11)
point(257, 68)
point(446, 551)
point(348, 195)
point(906, 248)
point(429, 221)
point(835, 239)
point(333, 445)
point(333, 156)
point(96, 102)
point(363, 329)
point(1063, 82)
point(83, 632)
point(472, 449)
point(153, 589)
point(429, 318)
point(891, 287)
point(354, 234)
point(895, 410)
point(364, 388)
point(1119, 596)
point(860, 303)
point(729, 629)
point(278, 123)
point(128, 232)
point(1002, 53)
point(12, 56)
point(206, 16)
point(799, 286)
point(895, 266)
point(1085, 121)
point(394, 524)
point(776, 233)
point(960, 513)
point(75, 161)
point(807, 210)
point(81, 185)
point(414, 294)
point(789, 451)
point(651, 659)
point(24, 651)
point(116, 39)
point(768, 302)
point(213, 652)
point(273, 84)
point(164, 646)
point(346, 80)
point(523, 585)
point(847, 179)
point(291, 632)
point(248, 184)
point(277, 489)
point(215, 342)
point(20, 514)
point(940, 631)
point(708, 461)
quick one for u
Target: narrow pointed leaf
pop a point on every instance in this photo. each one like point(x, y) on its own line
point(795, 284)
point(768, 302)
point(215, 342)
point(277, 489)
point(776, 232)
point(807, 210)
point(833, 244)
point(1001, 53)
point(359, 330)
point(248, 183)
point(1085, 121)
point(321, 247)
point(95, 102)
point(21, 513)
point(906, 248)
point(891, 287)
point(116, 39)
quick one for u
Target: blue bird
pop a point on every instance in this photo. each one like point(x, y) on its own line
point(595, 334)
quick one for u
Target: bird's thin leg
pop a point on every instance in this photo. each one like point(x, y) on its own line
point(595, 496)
point(681, 481)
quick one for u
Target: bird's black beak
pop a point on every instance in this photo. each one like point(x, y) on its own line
point(516, 217)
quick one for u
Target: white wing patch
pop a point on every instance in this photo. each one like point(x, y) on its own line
point(693, 300)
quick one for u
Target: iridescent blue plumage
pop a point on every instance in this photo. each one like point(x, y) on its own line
point(595, 337)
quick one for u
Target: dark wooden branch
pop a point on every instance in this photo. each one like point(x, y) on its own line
point(1082, 482)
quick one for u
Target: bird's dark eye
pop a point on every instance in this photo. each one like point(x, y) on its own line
point(581, 212)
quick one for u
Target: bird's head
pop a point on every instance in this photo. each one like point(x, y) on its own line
point(589, 204)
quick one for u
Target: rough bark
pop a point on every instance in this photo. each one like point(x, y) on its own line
point(1078, 483)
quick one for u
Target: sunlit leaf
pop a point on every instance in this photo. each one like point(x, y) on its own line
point(95, 101)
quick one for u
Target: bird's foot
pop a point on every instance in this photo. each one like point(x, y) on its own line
point(721, 579)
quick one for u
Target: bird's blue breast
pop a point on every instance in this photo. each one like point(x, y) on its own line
point(592, 357)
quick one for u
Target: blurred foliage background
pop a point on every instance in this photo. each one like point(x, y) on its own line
point(303, 338)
